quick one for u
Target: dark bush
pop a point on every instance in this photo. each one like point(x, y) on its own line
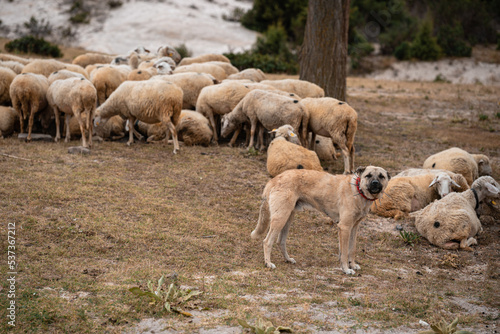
point(425, 46)
point(452, 41)
point(31, 44)
point(267, 63)
point(183, 50)
point(403, 51)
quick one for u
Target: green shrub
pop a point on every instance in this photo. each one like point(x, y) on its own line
point(403, 51)
point(183, 50)
point(81, 17)
point(267, 63)
point(425, 46)
point(31, 44)
point(274, 42)
point(452, 41)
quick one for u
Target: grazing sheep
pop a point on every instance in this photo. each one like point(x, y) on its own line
point(8, 57)
point(150, 101)
point(63, 74)
point(458, 178)
point(28, 92)
point(8, 121)
point(112, 128)
point(471, 166)
point(6, 77)
point(92, 58)
point(332, 118)
point(227, 67)
point(253, 74)
point(204, 59)
point(300, 87)
point(107, 79)
point(451, 222)
point(191, 84)
point(73, 96)
point(216, 71)
point(193, 128)
point(270, 110)
point(16, 66)
point(407, 194)
point(47, 66)
point(283, 155)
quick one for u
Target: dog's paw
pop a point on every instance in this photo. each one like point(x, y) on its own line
point(270, 265)
point(354, 266)
point(349, 271)
point(291, 260)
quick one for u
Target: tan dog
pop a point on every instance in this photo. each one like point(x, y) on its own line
point(347, 197)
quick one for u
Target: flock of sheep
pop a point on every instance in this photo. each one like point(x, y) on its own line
point(197, 99)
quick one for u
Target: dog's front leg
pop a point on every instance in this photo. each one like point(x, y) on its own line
point(345, 230)
point(352, 247)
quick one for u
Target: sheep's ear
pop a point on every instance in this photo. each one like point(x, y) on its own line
point(492, 189)
point(433, 182)
point(360, 170)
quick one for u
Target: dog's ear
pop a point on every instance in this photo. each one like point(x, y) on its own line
point(388, 176)
point(360, 170)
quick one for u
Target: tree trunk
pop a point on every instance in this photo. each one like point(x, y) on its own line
point(323, 55)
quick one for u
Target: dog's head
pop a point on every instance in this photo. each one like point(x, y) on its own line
point(372, 180)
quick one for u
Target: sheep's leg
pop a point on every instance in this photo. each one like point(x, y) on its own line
point(18, 107)
point(214, 127)
point(312, 144)
point(351, 160)
point(67, 119)
point(34, 109)
point(345, 230)
point(90, 126)
point(352, 248)
point(465, 243)
point(171, 128)
point(450, 245)
point(282, 239)
point(131, 122)
point(58, 124)
point(78, 114)
point(345, 153)
point(261, 143)
point(235, 137)
point(253, 125)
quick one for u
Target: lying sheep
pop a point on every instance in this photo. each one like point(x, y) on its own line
point(150, 101)
point(92, 58)
point(63, 74)
point(113, 129)
point(451, 222)
point(193, 128)
point(154, 132)
point(216, 71)
point(458, 178)
point(29, 96)
point(270, 110)
point(283, 155)
point(191, 84)
point(15, 66)
point(8, 121)
point(411, 193)
point(324, 148)
point(489, 210)
point(48, 66)
point(6, 77)
point(73, 97)
point(332, 118)
point(471, 166)
point(253, 74)
point(300, 87)
point(203, 59)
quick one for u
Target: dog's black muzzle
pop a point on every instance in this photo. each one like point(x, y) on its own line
point(375, 187)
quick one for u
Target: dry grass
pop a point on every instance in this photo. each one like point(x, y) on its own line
point(90, 227)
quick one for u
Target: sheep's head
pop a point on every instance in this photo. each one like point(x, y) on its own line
point(169, 52)
point(443, 184)
point(487, 187)
point(227, 126)
point(483, 164)
point(286, 131)
point(163, 68)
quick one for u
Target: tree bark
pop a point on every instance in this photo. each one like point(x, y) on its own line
point(323, 55)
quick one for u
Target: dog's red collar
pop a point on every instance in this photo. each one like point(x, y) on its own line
point(361, 191)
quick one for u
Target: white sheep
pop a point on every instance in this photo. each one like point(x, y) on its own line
point(63, 74)
point(407, 194)
point(471, 166)
point(107, 79)
point(28, 92)
point(8, 57)
point(269, 109)
point(73, 96)
point(332, 118)
point(16, 66)
point(8, 121)
point(451, 222)
point(150, 101)
point(162, 68)
point(324, 148)
point(48, 66)
point(227, 67)
point(154, 132)
point(216, 71)
point(204, 59)
point(283, 155)
point(6, 77)
point(191, 84)
point(89, 58)
point(193, 128)
point(302, 88)
point(253, 74)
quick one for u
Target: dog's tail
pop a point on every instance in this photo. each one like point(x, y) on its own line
point(263, 223)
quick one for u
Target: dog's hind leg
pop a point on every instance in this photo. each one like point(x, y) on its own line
point(279, 219)
point(352, 248)
point(282, 239)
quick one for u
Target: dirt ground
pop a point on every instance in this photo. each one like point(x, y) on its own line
point(88, 228)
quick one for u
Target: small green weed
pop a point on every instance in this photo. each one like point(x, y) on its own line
point(171, 298)
point(409, 238)
point(483, 117)
point(443, 328)
point(264, 327)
